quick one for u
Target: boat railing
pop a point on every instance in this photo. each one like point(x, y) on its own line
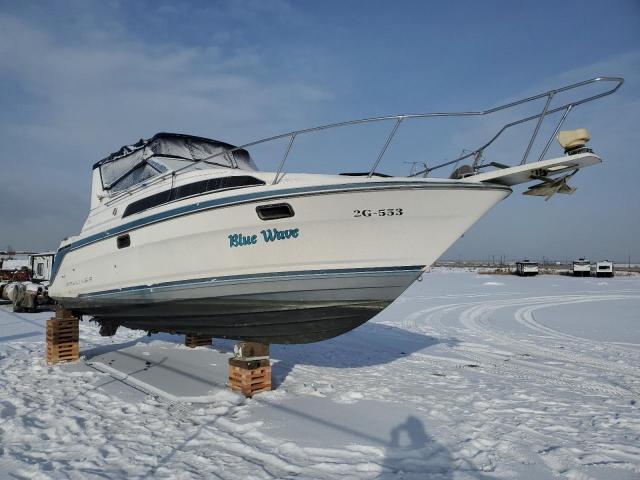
point(476, 153)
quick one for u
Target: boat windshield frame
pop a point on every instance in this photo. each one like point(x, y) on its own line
point(153, 157)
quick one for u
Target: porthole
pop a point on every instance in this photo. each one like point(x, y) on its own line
point(275, 211)
point(123, 241)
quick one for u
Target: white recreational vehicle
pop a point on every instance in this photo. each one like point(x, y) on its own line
point(581, 268)
point(527, 268)
point(602, 269)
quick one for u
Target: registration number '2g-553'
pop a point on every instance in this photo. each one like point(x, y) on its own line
point(383, 212)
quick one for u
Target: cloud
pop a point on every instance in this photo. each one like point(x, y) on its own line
point(80, 79)
point(72, 99)
point(127, 85)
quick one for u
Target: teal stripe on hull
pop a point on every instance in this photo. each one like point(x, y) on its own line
point(261, 276)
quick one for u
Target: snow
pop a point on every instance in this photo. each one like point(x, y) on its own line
point(464, 376)
point(14, 264)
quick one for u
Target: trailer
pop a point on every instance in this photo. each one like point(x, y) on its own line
point(603, 268)
point(527, 268)
point(581, 268)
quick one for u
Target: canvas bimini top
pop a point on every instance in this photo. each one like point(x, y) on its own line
point(164, 152)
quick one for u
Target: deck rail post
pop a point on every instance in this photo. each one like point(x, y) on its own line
point(538, 123)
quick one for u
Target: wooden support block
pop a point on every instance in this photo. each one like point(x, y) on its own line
point(64, 352)
point(56, 326)
point(193, 341)
point(62, 337)
point(249, 381)
point(59, 338)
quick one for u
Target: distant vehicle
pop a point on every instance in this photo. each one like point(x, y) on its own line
point(602, 269)
point(581, 268)
point(27, 288)
point(527, 268)
point(41, 265)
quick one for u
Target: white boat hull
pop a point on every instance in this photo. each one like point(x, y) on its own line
point(343, 257)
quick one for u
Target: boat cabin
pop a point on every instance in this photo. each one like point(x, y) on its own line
point(163, 154)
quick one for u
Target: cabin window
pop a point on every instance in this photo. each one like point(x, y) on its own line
point(126, 172)
point(190, 190)
point(275, 211)
point(123, 241)
point(40, 269)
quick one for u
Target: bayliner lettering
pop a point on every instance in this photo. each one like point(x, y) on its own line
point(269, 235)
point(81, 281)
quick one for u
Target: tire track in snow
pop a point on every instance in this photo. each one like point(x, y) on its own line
point(525, 317)
point(479, 322)
point(474, 319)
point(509, 370)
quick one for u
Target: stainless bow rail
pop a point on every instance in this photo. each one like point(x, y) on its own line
point(399, 119)
point(476, 153)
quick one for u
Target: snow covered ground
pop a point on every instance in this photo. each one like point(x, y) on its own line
point(464, 376)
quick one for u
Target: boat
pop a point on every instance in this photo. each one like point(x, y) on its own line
point(186, 235)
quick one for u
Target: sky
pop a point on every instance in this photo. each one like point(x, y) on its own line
point(79, 79)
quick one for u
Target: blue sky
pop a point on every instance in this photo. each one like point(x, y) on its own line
point(78, 79)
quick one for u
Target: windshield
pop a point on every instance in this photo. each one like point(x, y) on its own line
point(133, 164)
